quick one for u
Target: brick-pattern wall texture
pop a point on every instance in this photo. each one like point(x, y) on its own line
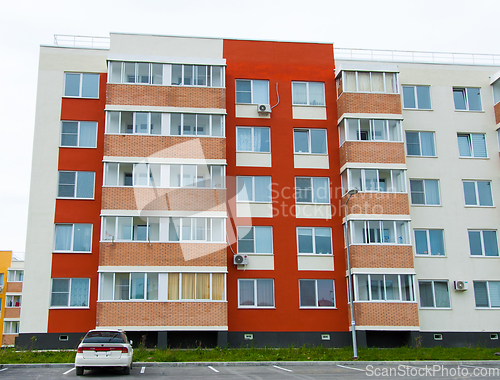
point(350, 102)
point(497, 113)
point(9, 340)
point(378, 203)
point(162, 314)
point(165, 96)
point(163, 254)
point(12, 312)
point(165, 146)
point(381, 256)
point(14, 287)
point(129, 198)
point(386, 314)
point(372, 151)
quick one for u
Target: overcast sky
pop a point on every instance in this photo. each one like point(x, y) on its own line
point(423, 25)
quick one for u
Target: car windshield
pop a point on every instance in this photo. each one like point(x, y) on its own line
point(104, 337)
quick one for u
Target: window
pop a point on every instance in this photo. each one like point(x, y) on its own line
point(197, 75)
point(374, 180)
point(308, 93)
point(252, 91)
point(429, 242)
point(483, 243)
point(156, 175)
point(477, 193)
point(154, 229)
point(256, 293)
point(424, 192)
point(162, 286)
point(496, 91)
point(366, 81)
point(379, 232)
point(312, 190)
point(76, 185)
point(196, 125)
point(434, 294)
point(384, 287)
point(417, 97)
point(472, 145)
point(13, 301)
point(316, 293)
point(370, 130)
point(420, 144)
point(73, 238)
point(314, 240)
point(82, 134)
point(254, 189)
point(70, 292)
point(487, 293)
point(257, 239)
point(14, 275)
point(311, 141)
point(135, 72)
point(11, 327)
point(253, 139)
point(81, 85)
point(467, 99)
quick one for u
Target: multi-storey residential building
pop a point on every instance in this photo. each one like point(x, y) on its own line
point(191, 191)
point(11, 280)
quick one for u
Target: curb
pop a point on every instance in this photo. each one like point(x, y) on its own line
point(268, 363)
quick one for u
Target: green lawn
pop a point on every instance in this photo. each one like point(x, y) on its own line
point(9, 356)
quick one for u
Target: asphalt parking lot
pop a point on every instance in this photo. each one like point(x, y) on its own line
point(224, 371)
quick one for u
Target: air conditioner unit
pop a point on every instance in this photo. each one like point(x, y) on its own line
point(240, 259)
point(264, 108)
point(461, 285)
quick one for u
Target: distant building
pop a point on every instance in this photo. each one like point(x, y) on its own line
point(191, 192)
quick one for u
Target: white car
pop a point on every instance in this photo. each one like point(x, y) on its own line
point(104, 348)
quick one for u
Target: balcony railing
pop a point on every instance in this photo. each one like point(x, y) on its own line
point(416, 57)
point(88, 42)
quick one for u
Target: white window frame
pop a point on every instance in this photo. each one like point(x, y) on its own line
point(370, 297)
point(350, 182)
point(414, 86)
point(78, 135)
point(396, 84)
point(208, 68)
point(255, 306)
point(465, 91)
point(253, 190)
point(483, 251)
point(314, 253)
point(471, 145)
point(476, 190)
point(366, 230)
point(346, 121)
point(420, 144)
point(210, 125)
point(432, 282)
point(488, 294)
point(254, 241)
point(312, 192)
point(11, 298)
point(309, 141)
point(136, 73)
point(81, 87)
point(425, 193)
point(251, 90)
point(7, 327)
point(75, 185)
point(73, 237)
point(69, 293)
point(428, 238)
point(308, 102)
point(252, 136)
point(14, 273)
point(316, 294)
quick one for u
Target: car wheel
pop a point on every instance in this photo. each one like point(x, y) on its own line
point(126, 370)
point(79, 371)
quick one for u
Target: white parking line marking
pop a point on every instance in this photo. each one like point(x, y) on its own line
point(283, 369)
point(65, 373)
point(212, 368)
point(143, 369)
point(471, 366)
point(3, 369)
point(356, 369)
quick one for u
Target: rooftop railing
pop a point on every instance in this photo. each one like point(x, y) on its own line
point(88, 42)
point(416, 57)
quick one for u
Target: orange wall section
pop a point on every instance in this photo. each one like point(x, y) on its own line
point(282, 63)
point(81, 265)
